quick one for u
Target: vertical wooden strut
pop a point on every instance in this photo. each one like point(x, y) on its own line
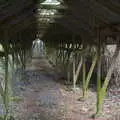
point(112, 67)
point(69, 51)
point(74, 61)
point(74, 70)
point(6, 94)
point(84, 76)
point(101, 91)
point(78, 69)
point(68, 72)
point(98, 102)
point(87, 76)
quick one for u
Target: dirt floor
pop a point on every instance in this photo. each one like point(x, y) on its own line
point(46, 99)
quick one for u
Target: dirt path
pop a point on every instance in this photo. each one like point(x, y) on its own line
point(45, 99)
point(42, 99)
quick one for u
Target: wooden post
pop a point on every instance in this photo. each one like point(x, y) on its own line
point(6, 94)
point(98, 103)
point(84, 77)
point(74, 83)
point(102, 90)
point(78, 69)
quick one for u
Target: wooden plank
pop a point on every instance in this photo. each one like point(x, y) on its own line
point(13, 10)
point(21, 17)
point(110, 5)
point(76, 22)
point(76, 29)
point(86, 9)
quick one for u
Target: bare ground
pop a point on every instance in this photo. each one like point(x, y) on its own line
point(46, 99)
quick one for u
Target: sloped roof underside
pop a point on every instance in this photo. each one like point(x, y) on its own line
point(82, 17)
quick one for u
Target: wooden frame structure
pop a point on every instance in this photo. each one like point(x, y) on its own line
point(81, 23)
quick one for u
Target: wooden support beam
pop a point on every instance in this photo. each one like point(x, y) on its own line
point(18, 18)
point(110, 5)
point(76, 72)
point(76, 22)
point(74, 80)
point(76, 29)
point(6, 94)
point(14, 9)
point(85, 11)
